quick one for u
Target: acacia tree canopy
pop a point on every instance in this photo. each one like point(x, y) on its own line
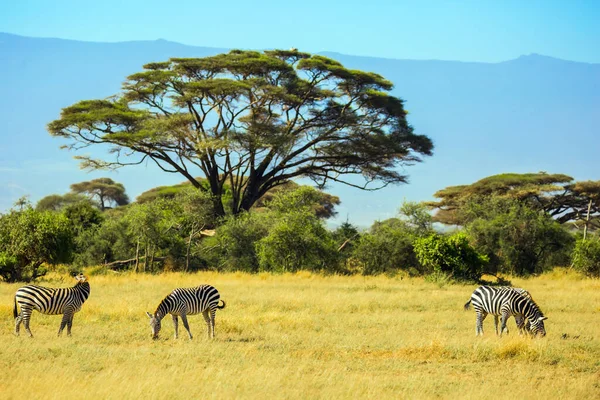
point(104, 190)
point(252, 120)
point(556, 194)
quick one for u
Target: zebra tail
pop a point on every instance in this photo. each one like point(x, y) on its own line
point(468, 305)
point(15, 313)
point(221, 307)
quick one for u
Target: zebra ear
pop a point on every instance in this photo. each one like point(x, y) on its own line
point(542, 318)
point(149, 315)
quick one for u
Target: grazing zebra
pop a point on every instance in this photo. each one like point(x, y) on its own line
point(182, 302)
point(52, 301)
point(507, 301)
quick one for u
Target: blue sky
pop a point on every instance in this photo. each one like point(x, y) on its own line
point(482, 31)
point(471, 30)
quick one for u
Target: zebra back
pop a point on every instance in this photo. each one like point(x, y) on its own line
point(53, 300)
point(190, 301)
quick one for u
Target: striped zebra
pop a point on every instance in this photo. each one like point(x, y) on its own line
point(506, 302)
point(52, 301)
point(182, 302)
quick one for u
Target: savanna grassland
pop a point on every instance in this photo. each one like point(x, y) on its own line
point(305, 336)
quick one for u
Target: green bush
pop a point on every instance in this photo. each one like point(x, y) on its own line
point(232, 248)
point(586, 257)
point(452, 255)
point(386, 248)
point(518, 239)
point(29, 239)
point(298, 241)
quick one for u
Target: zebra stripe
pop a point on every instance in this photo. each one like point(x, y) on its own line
point(506, 302)
point(182, 302)
point(52, 301)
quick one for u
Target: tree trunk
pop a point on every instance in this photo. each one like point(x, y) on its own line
point(587, 220)
point(145, 257)
point(152, 251)
point(137, 256)
point(218, 206)
point(187, 252)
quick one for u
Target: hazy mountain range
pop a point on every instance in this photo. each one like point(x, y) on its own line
point(533, 113)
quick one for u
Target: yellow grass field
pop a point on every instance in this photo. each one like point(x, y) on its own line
point(304, 336)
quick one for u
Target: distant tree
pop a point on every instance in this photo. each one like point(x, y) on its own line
point(417, 217)
point(57, 202)
point(556, 194)
point(253, 121)
point(104, 190)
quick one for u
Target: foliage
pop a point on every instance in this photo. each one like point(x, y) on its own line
point(586, 256)
point(104, 190)
point(417, 217)
point(83, 215)
point(298, 241)
point(30, 238)
point(253, 121)
point(386, 248)
point(518, 239)
point(556, 194)
point(57, 202)
point(232, 248)
point(451, 255)
point(105, 243)
point(321, 203)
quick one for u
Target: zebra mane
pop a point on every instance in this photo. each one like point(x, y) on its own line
point(532, 302)
point(164, 307)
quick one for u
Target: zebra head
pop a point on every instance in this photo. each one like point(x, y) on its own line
point(80, 278)
point(154, 324)
point(537, 326)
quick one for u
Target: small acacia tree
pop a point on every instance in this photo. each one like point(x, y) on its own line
point(104, 190)
point(252, 120)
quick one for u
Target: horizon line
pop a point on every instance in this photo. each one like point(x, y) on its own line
point(533, 54)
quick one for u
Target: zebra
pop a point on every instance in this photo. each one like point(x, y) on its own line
point(182, 302)
point(505, 302)
point(52, 301)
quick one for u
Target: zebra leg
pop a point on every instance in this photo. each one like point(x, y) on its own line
point(213, 311)
point(176, 325)
point(69, 325)
point(26, 319)
point(63, 323)
point(208, 322)
point(185, 324)
point(496, 323)
point(480, 317)
point(503, 326)
point(18, 321)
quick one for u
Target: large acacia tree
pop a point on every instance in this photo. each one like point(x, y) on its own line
point(252, 120)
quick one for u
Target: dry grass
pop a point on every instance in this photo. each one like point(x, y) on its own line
point(305, 336)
